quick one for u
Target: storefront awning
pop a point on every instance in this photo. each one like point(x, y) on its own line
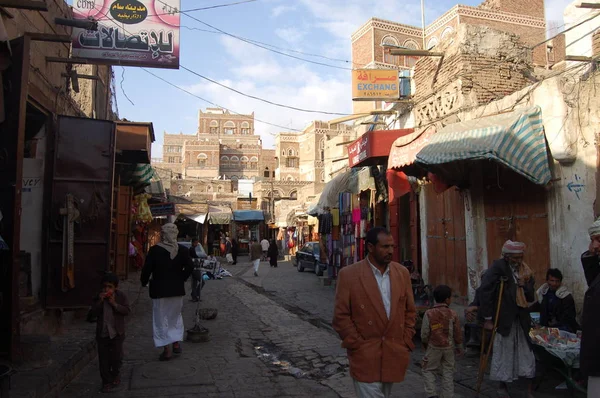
point(345, 182)
point(373, 147)
point(138, 176)
point(199, 218)
point(134, 142)
point(247, 216)
point(514, 139)
point(219, 215)
point(404, 150)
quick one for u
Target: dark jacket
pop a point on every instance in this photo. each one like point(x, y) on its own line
point(120, 310)
point(193, 252)
point(590, 326)
point(255, 251)
point(273, 253)
point(168, 276)
point(509, 310)
point(560, 314)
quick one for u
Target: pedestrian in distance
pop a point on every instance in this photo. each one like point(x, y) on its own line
point(234, 250)
point(111, 307)
point(375, 317)
point(255, 254)
point(197, 282)
point(590, 328)
point(441, 336)
point(228, 248)
point(264, 244)
point(168, 266)
point(273, 253)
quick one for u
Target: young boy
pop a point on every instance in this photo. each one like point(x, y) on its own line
point(441, 337)
point(111, 306)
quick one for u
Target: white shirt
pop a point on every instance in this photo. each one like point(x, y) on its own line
point(264, 244)
point(383, 282)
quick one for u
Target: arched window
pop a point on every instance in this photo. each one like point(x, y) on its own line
point(322, 176)
point(214, 127)
point(244, 160)
point(254, 162)
point(291, 152)
point(294, 194)
point(229, 128)
point(388, 58)
point(322, 149)
point(446, 32)
point(234, 161)
point(224, 161)
point(290, 178)
point(220, 188)
point(202, 159)
point(432, 43)
point(233, 178)
point(209, 188)
point(266, 173)
point(410, 61)
point(245, 128)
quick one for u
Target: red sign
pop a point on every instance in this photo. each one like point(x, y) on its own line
point(404, 149)
point(373, 146)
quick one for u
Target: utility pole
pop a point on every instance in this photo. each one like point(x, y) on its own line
point(423, 22)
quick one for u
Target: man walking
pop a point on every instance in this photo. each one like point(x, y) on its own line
point(375, 317)
point(590, 328)
point(512, 354)
point(265, 248)
point(255, 254)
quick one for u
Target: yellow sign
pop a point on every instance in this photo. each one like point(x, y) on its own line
point(375, 84)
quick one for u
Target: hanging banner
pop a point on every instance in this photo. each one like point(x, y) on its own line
point(130, 32)
point(375, 84)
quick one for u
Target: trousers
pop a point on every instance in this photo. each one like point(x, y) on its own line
point(372, 390)
point(110, 357)
point(256, 263)
point(442, 361)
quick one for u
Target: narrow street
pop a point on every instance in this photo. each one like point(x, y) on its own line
point(272, 338)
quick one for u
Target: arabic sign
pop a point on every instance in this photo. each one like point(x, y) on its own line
point(130, 32)
point(373, 146)
point(375, 84)
point(162, 209)
point(404, 149)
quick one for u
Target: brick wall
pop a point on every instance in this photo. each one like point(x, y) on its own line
point(534, 8)
point(595, 44)
point(362, 50)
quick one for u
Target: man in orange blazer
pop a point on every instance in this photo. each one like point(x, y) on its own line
point(375, 317)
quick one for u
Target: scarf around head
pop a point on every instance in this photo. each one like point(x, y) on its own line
point(523, 273)
point(168, 239)
point(594, 229)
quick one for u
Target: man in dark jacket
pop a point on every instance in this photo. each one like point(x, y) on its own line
point(590, 340)
point(512, 353)
point(556, 304)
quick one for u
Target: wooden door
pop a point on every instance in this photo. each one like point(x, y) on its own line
point(446, 239)
point(515, 208)
point(123, 207)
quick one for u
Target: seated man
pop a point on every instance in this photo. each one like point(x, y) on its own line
point(473, 321)
point(555, 303)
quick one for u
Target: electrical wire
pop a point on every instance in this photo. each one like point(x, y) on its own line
point(262, 99)
point(122, 89)
point(204, 8)
point(217, 105)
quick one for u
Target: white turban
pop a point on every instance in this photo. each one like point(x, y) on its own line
point(595, 228)
point(168, 239)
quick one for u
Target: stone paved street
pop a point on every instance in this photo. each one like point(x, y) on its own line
point(271, 338)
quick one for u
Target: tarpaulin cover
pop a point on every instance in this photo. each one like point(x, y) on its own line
point(515, 139)
point(199, 218)
point(345, 182)
point(219, 215)
point(248, 216)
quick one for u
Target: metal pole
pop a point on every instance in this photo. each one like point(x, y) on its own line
point(423, 21)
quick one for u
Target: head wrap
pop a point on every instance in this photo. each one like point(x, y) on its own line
point(168, 239)
point(594, 228)
point(511, 247)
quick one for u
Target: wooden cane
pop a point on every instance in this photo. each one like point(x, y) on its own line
point(483, 361)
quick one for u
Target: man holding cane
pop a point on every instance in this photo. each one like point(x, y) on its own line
point(512, 353)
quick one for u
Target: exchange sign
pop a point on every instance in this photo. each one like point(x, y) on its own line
point(375, 84)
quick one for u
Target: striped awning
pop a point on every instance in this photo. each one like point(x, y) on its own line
point(515, 139)
point(138, 176)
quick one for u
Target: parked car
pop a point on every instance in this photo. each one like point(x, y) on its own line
point(199, 249)
point(308, 257)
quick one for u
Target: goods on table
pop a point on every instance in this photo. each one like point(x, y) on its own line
point(559, 343)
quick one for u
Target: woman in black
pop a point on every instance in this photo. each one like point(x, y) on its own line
point(273, 253)
point(234, 250)
point(167, 267)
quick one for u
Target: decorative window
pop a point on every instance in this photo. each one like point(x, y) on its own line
point(446, 32)
point(266, 173)
point(245, 128)
point(229, 128)
point(171, 160)
point(254, 163)
point(322, 149)
point(234, 161)
point(291, 162)
point(387, 57)
point(322, 176)
point(214, 127)
point(294, 195)
point(244, 160)
point(234, 178)
point(209, 188)
point(410, 61)
point(432, 43)
point(291, 152)
point(290, 178)
point(202, 159)
point(224, 161)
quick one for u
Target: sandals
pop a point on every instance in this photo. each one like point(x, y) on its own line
point(163, 357)
point(176, 348)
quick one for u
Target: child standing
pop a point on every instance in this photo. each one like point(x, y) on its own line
point(111, 305)
point(441, 337)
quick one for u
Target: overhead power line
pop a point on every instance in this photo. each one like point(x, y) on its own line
point(262, 99)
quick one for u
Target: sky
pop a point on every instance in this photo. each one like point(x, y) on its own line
point(318, 27)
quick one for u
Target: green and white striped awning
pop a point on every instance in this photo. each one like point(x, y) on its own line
point(515, 139)
point(138, 176)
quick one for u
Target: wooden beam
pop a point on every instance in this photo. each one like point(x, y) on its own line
point(24, 4)
point(415, 53)
point(48, 37)
point(81, 76)
point(81, 61)
point(6, 13)
point(578, 58)
point(593, 6)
